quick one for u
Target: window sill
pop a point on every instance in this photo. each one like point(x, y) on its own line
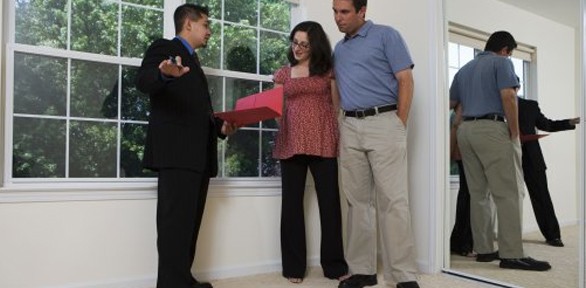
point(104, 191)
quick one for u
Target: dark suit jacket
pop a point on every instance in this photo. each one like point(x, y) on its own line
point(182, 131)
point(530, 117)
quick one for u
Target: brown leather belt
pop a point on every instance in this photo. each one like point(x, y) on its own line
point(493, 117)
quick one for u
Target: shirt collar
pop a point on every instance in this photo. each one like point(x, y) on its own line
point(486, 53)
point(186, 44)
point(362, 31)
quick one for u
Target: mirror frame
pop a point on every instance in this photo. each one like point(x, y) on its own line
point(582, 152)
point(444, 243)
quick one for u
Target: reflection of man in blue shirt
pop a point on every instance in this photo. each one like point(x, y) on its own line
point(491, 152)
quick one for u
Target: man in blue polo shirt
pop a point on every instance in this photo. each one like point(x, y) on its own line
point(373, 73)
point(491, 152)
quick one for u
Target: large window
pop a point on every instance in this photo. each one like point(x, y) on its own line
point(73, 111)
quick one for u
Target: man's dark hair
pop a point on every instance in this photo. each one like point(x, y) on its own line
point(359, 4)
point(499, 40)
point(185, 11)
point(320, 61)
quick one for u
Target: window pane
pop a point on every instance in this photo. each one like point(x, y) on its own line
point(140, 27)
point(451, 74)
point(135, 104)
point(92, 86)
point(94, 27)
point(214, 6)
point(41, 23)
point(454, 168)
point(40, 85)
point(275, 15)
point(132, 151)
point(241, 11)
point(271, 123)
point(453, 57)
point(210, 55)
point(240, 49)
point(518, 66)
point(466, 54)
point(38, 148)
point(238, 88)
point(273, 51)
point(92, 149)
point(270, 166)
point(242, 157)
point(215, 86)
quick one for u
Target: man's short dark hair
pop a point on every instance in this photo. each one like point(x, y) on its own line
point(359, 4)
point(499, 40)
point(185, 11)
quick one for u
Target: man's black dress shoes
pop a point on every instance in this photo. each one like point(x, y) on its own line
point(359, 281)
point(410, 284)
point(527, 263)
point(488, 257)
point(555, 242)
point(202, 285)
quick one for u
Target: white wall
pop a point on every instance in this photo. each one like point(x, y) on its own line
point(112, 243)
point(557, 90)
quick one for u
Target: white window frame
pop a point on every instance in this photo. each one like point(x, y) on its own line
point(58, 190)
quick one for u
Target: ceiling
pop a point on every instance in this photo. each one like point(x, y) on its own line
point(566, 12)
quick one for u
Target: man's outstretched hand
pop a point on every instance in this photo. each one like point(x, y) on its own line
point(172, 67)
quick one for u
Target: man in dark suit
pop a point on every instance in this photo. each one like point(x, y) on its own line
point(181, 142)
point(530, 117)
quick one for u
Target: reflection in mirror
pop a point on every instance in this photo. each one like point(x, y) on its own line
point(547, 63)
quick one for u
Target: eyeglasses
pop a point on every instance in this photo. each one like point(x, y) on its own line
point(302, 45)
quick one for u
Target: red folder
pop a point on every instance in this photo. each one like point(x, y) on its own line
point(531, 137)
point(255, 108)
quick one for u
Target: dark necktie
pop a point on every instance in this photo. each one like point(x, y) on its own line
point(205, 81)
point(196, 59)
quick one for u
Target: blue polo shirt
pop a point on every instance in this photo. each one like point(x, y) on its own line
point(478, 84)
point(365, 66)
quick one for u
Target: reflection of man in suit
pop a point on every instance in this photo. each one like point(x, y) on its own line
point(181, 142)
point(530, 117)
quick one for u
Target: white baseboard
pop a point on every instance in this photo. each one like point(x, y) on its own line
point(240, 271)
point(149, 281)
point(138, 282)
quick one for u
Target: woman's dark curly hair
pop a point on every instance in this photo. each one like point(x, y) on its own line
point(320, 61)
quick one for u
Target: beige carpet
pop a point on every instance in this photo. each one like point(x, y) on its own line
point(315, 279)
point(564, 262)
point(564, 273)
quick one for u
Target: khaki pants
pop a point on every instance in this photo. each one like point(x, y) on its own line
point(492, 163)
point(373, 157)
